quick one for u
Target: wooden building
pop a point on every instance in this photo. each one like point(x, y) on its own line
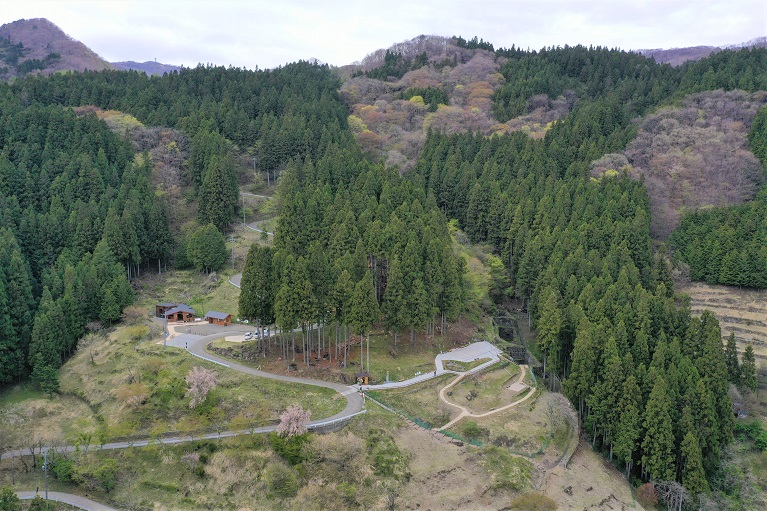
point(161, 308)
point(182, 312)
point(218, 318)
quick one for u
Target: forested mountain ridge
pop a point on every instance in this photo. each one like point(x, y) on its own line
point(363, 244)
point(577, 245)
point(678, 56)
point(291, 116)
point(37, 45)
point(149, 67)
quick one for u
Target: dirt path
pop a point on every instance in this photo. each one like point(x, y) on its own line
point(465, 412)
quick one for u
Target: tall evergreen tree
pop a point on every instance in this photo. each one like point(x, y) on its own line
point(693, 475)
point(658, 443)
point(748, 370)
point(629, 429)
point(394, 305)
point(364, 309)
point(207, 249)
point(256, 302)
point(731, 357)
point(548, 326)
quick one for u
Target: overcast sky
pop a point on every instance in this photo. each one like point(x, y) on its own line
point(268, 33)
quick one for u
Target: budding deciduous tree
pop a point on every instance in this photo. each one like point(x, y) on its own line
point(293, 421)
point(200, 382)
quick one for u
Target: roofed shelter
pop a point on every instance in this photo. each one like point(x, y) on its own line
point(161, 308)
point(218, 318)
point(182, 312)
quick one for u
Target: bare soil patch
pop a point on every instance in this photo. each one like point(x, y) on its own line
point(446, 476)
point(589, 483)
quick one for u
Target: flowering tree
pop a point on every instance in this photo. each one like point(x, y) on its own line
point(200, 382)
point(293, 421)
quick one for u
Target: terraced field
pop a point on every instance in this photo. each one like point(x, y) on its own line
point(741, 311)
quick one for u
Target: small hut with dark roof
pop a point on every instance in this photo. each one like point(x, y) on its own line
point(218, 318)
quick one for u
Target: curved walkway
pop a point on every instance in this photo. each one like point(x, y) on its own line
point(66, 498)
point(470, 353)
point(465, 411)
point(195, 344)
point(254, 226)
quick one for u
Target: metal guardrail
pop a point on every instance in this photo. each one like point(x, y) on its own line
point(334, 421)
point(210, 360)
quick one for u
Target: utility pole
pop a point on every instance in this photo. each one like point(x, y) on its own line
point(243, 209)
point(45, 467)
point(231, 238)
point(165, 338)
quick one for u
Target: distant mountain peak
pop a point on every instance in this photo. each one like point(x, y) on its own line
point(150, 67)
point(678, 56)
point(39, 46)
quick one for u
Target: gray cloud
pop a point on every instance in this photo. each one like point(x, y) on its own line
point(268, 34)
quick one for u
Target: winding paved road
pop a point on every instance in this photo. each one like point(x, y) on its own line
point(254, 226)
point(67, 498)
point(195, 344)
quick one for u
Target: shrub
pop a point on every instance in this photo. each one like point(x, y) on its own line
point(94, 475)
point(281, 480)
point(386, 458)
point(646, 495)
point(38, 504)
point(137, 332)
point(8, 499)
point(761, 441)
point(533, 502)
point(63, 469)
point(290, 448)
point(506, 470)
point(471, 430)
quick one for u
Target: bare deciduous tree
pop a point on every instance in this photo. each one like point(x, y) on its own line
point(673, 494)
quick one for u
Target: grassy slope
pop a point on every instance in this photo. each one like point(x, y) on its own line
point(96, 381)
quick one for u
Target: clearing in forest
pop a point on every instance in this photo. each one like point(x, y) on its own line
point(742, 311)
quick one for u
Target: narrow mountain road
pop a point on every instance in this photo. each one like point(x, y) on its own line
point(256, 226)
point(195, 344)
point(66, 498)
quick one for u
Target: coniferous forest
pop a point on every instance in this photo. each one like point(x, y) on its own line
point(362, 245)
